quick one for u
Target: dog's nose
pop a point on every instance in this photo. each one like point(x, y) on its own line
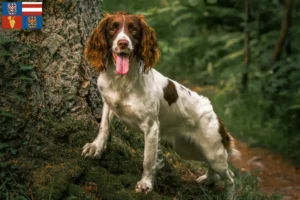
point(122, 44)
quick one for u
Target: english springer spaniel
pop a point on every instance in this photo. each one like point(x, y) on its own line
point(124, 49)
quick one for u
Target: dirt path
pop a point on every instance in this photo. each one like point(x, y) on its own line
point(274, 172)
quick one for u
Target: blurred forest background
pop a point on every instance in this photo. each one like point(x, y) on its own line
point(247, 52)
point(244, 55)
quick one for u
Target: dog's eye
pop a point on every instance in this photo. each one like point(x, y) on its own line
point(112, 30)
point(133, 30)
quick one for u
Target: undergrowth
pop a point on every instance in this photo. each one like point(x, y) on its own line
point(245, 115)
point(16, 78)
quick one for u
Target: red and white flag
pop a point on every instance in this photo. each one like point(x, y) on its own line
point(32, 8)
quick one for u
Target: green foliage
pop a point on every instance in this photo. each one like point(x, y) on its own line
point(15, 70)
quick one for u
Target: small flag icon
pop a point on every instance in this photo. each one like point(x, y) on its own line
point(32, 8)
point(22, 15)
point(11, 22)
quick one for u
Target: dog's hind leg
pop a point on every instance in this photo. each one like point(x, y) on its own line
point(216, 157)
point(209, 178)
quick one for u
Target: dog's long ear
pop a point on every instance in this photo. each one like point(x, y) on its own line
point(148, 49)
point(96, 50)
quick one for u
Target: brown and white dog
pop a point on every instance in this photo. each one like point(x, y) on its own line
point(124, 49)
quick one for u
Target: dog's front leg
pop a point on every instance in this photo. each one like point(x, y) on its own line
point(151, 133)
point(98, 146)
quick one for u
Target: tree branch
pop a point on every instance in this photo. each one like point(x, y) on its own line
point(285, 25)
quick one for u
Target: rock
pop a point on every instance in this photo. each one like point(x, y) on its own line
point(256, 163)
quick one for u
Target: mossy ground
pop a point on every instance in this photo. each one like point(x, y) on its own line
point(56, 170)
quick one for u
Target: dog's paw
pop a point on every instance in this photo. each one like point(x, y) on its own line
point(205, 180)
point(93, 150)
point(144, 186)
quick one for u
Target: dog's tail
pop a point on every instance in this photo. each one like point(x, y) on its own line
point(231, 150)
point(228, 142)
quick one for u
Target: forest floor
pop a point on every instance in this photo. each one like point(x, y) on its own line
point(273, 171)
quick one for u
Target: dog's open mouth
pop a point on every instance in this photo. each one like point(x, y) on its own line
point(122, 62)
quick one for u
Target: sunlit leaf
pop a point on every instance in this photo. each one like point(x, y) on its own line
point(25, 67)
point(229, 57)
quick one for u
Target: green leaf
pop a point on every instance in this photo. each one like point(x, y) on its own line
point(25, 78)
point(229, 57)
point(20, 98)
point(294, 107)
point(193, 2)
point(13, 151)
point(3, 145)
point(181, 18)
point(6, 114)
point(26, 67)
point(212, 1)
point(5, 53)
point(231, 42)
point(4, 40)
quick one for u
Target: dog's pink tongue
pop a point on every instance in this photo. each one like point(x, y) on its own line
point(122, 64)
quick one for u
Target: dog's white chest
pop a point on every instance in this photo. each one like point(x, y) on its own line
point(125, 105)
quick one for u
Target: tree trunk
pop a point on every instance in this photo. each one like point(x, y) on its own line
point(246, 47)
point(285, 25)
point(46, 117)
point(64, 82)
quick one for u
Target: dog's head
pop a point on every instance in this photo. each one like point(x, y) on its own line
point(122, 36)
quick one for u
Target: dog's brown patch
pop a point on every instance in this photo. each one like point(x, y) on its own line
point(226, 138)
point(170, 93)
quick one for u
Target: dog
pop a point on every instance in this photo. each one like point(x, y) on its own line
point(123, 47)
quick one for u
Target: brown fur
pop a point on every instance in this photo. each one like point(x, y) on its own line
point(148, 50)
point(96, 51)
point(170, 93)
point(97, 46)
point(226, 137)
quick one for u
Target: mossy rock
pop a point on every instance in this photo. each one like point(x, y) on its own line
point(53, 180)
point(77, 192)
point(105, 183)
point(126, 194)
point(129, 180)
point(80, 138)
point(67, 130)
point(119, 158)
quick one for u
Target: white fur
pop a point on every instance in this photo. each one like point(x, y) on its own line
point(190, 123)
point(121, 36)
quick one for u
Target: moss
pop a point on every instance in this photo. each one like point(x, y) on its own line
point(104, 182)
point(119, 159)
point(53, 180)
point(132, 195)
point(79, 138)
point(68, 130)
point(77, 192)
point(134, 140)
point(129, 180)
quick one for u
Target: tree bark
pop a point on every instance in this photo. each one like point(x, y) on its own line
point(285, 25)
point(65, 85)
